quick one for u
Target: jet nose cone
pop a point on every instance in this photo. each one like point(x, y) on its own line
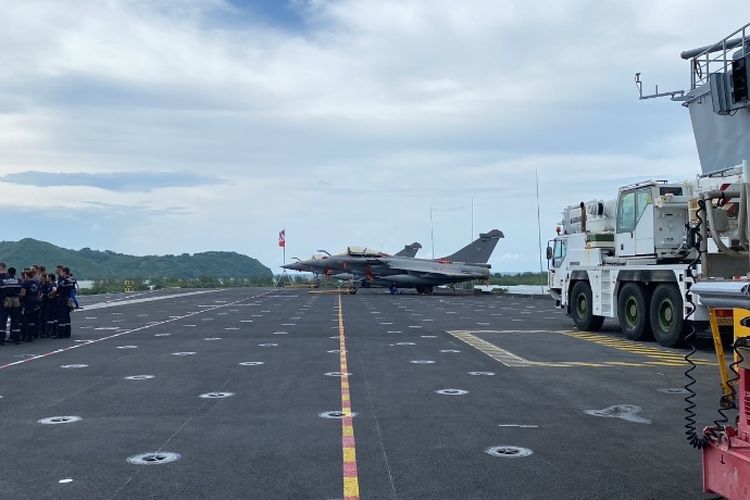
point(295, 266)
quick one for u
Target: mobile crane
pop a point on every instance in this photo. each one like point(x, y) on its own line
point(627, 258)
point(663, 256)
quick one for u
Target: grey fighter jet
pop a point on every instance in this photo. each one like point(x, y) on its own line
point(317, 263)
point(372, 267)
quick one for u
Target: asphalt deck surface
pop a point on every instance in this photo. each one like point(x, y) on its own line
point(529, 379)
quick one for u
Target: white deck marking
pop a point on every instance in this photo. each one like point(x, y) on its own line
point(499, 354)
point(102, 305)
point(121, 333)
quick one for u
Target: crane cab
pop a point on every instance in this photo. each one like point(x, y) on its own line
point(651, 220)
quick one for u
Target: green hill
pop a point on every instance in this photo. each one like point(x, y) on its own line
point(88, 264)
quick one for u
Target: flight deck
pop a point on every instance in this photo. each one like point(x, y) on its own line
point(288, 393)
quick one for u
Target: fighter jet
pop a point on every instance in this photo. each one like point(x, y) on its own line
point(469, 263)
point(409, 251)
point(317, 264)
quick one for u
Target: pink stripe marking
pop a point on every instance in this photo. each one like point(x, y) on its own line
point(350, 469)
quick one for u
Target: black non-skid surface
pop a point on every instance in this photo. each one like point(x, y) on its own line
point(267, 440)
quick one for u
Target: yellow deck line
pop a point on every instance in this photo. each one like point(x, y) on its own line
point(350, 474)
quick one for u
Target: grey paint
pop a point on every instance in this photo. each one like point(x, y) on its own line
point(721, 139)
point(467, 264)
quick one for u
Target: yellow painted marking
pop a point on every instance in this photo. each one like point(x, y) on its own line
point(672, 358)
point(350, 474)
point(505, 357)
point(350, 455)
point(512, 360)
point(351, 487)
point(721, 359)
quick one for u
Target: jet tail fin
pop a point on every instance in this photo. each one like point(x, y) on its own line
point(479, 250)
point(409, 250)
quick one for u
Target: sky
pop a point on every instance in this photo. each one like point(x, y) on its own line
point(172, 126)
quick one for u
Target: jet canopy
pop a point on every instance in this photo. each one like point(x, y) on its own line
point(355, 251)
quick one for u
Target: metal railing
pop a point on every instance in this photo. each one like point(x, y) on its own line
point(715, 58)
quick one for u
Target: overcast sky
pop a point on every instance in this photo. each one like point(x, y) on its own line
point(182, 126)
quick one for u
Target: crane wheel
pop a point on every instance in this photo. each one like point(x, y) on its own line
point(582, 310)
point(633, 311)
point(667, 321)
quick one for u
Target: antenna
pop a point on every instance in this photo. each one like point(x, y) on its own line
point(675, 95)
point(539, 228)
point(472, 221)
point(432, 234)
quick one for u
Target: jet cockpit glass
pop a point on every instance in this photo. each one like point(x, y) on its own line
point(362, 252)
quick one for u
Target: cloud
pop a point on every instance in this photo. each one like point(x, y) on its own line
point(114, 181)
point(509, 257)
point(343, 121)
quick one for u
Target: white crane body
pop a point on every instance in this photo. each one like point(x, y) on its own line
point(641, 243)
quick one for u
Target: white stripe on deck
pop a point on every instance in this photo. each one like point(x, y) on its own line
point(103, 305)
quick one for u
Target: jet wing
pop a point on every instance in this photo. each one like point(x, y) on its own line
point(428, 269)
point(444, 274)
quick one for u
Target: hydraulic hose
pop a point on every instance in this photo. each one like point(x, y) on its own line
point(695, 440)
point(691, 431)
point(712, 433)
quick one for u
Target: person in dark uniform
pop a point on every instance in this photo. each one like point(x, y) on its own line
point(11, 289)
point(47, 320)
point(24, 276)
point(58, 304)
point(65, 287)
point(4, 325)
point(32, 307)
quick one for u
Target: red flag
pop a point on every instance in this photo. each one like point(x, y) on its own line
point(282, 238)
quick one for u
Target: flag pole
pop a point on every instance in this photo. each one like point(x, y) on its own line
point(539, 229)
point(432, 234)
point(472, 221)
point(282, 244)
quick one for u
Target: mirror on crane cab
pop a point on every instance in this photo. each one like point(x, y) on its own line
point(549, 253)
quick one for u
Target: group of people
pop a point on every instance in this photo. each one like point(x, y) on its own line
point(36, 304)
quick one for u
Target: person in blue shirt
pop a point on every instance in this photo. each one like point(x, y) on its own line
point(74, 297)
point(32, 307)
point(10, 289)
